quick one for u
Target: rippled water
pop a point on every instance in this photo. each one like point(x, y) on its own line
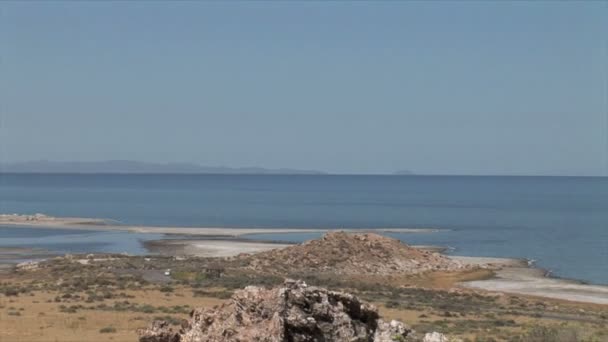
point(561, 222)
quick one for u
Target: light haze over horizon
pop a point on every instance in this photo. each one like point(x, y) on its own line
point(510, 88)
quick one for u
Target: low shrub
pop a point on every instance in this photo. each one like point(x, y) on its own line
point(107, 330)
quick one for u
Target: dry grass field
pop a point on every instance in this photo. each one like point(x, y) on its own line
point(39, 317)
point(34, 309)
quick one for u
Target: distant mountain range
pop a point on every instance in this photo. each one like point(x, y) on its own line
point(128, 166)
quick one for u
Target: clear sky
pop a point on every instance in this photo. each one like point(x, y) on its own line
point(452, 87)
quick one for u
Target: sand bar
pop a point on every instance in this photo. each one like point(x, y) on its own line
point(79, 223)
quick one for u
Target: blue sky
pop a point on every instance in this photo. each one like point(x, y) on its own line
point(348, 87)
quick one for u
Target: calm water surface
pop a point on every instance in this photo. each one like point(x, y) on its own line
point(561, 222)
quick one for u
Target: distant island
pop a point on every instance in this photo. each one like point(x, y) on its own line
point(404, 173)
point(129, 166)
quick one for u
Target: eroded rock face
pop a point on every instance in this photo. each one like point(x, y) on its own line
point(294, 312)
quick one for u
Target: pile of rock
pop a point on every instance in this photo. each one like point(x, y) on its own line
point(293, 312)
point(351, 254)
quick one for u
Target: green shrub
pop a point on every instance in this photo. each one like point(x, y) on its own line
point(107, 330)
point(147, 308)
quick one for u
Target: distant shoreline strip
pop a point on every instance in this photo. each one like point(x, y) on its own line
point(42, 221)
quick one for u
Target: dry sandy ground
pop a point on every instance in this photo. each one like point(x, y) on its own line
point(209, 248)
point(43, 221)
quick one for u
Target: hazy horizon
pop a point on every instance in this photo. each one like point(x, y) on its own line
point(470, 88)
point(189, 168)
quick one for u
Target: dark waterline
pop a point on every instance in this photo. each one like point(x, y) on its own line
point(66, 241)
point(562, 222)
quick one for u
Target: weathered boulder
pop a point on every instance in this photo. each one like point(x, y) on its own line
point(435, 337)
point(391, 332)
point(293, 312)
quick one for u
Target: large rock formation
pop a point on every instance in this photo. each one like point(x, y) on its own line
point(294, 312)
point(351, 254)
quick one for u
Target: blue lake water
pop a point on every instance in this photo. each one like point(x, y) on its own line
point(63, 241)
point(561, 222)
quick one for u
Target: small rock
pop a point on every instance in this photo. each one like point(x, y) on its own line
point(435, 337)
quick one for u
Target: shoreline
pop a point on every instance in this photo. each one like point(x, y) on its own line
point(512, 275)
point(79, 223)
point(520, 277)
point(534, 282)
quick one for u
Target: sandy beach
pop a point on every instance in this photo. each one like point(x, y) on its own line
point(517, 277)
point(533, 282)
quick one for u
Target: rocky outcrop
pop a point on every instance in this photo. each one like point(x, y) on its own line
point(293, 312)
point(351, 254)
